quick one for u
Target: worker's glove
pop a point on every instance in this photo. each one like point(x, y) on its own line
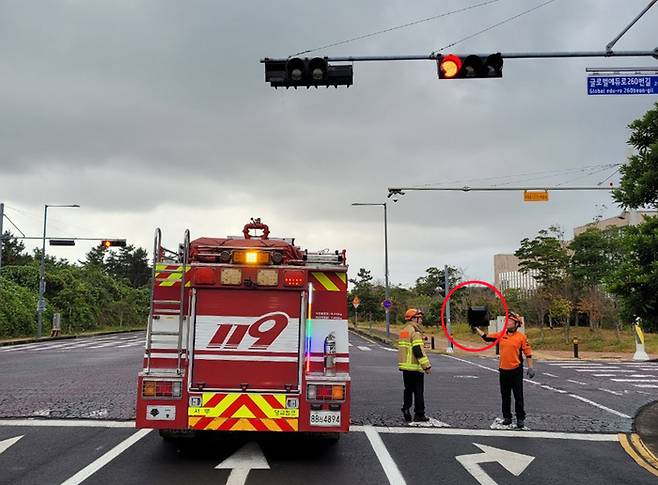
point(531, 373)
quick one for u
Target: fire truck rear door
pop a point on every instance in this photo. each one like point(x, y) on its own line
point(247, 339)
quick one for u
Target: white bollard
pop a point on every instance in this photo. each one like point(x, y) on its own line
point(640, 353)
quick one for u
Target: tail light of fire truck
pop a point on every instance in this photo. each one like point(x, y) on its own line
point(325, 392)
point(231, 276)
point(293, 278)
point(267, 277)
point(164, 389)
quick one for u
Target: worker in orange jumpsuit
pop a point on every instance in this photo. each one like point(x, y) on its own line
point(513, 345)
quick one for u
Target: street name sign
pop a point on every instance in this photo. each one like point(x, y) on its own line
point(535, 196)
point(615, 85)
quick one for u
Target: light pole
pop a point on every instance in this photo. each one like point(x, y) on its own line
point(387, 290)
point(42, 269)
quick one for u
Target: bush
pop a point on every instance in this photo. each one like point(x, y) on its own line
point(18, 309)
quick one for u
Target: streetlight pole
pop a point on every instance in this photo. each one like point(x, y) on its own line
point(387, 291)
point(41, 306)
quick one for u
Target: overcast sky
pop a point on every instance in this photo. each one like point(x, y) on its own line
point(156, 113)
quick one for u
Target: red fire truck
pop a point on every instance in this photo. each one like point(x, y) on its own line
point(246, 333)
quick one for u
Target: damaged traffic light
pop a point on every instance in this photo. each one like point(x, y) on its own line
point(304, 72)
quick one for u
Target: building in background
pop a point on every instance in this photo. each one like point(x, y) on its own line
point(506, 266)
point(626, 218)
point(507, 274)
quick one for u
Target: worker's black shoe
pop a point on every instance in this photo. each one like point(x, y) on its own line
point(506, 421)
point(407, 415)
point(421, 419)
point(520, 423)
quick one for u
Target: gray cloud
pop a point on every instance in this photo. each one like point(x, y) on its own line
point(157, 113)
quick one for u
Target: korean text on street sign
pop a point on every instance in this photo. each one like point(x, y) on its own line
point(535, 196)
point(356, 302)
point(597, 85)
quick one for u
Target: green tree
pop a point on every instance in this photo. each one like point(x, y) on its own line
point(635, 279)
point(433, 280)
point(560, 309)
point(595, 254)
point(131, 264)
point(639, 182)
point(546, 255)
point(13, 251)
point(95, 257)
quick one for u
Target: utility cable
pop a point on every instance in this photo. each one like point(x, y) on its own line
point(498, 24)
point(12, 223)
point(390, 29)
point(512, 177)
point(609, 176)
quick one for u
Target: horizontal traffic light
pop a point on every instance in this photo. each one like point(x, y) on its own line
point(470, 67)
point(304, 72)
point(109, 243)
point(61, 242)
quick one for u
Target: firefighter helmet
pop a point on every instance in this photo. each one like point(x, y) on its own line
point(515, 317)
point(411, 313)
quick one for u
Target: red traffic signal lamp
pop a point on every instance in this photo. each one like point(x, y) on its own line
point(108, 243)
point(452, 66)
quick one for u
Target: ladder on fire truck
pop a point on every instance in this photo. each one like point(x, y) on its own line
point(156, 309)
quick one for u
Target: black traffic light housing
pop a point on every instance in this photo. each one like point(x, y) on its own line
point(61, 242)
point(478, 316)
point(304, 72)
point(109, 243)
point(470, 67)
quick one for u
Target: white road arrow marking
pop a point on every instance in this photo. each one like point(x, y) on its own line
point(7, 443)
point(249, 457)
point(515, 463)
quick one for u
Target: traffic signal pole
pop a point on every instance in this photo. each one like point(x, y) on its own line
point(2, 218)
point(505, 55)
point(446, 288)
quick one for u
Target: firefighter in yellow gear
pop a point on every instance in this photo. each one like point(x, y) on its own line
point(414, 364)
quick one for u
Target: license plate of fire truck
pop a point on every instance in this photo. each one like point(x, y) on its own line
point(325, 418)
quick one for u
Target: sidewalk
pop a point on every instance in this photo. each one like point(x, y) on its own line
point(441, 344)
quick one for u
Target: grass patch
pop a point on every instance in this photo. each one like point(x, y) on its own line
point(603, 340)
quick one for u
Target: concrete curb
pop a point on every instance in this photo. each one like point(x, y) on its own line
point(29, 340)
point(642, 444)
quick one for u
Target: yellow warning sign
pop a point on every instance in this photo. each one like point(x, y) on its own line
point(535, 195)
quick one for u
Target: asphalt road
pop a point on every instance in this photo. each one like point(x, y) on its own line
point(574, 413)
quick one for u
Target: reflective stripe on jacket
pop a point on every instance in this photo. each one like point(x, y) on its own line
point(410, 338)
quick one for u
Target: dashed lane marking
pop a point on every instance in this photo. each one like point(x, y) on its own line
point(647, 386)
point(616, 393)
point(575, 396)
point(577, 382)
point(364, 348)
point(600, 406)
point(652, 381)
point(601, 369)
point(549, 374)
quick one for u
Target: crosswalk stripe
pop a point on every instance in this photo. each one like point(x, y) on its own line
point(634, 380)
point(132, 344)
